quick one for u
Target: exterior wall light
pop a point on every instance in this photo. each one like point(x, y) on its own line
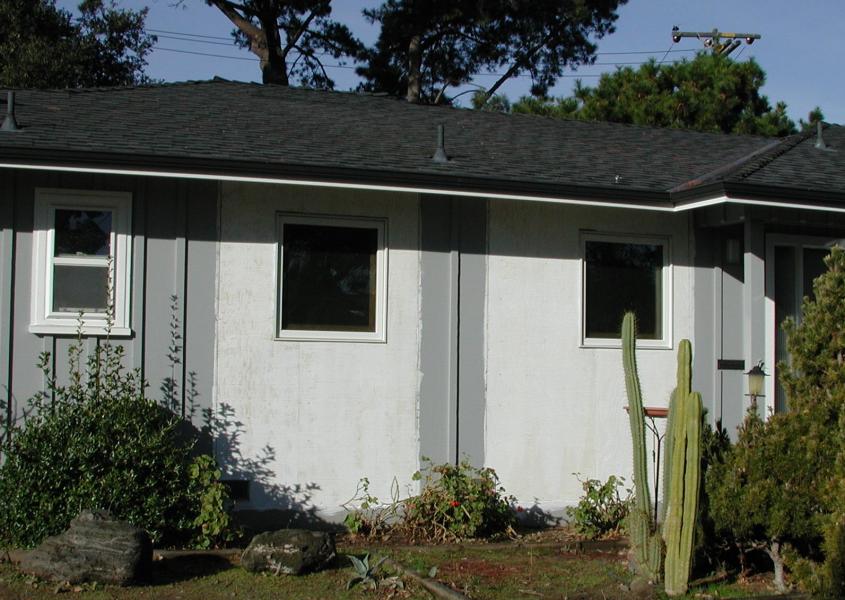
point(756, 377)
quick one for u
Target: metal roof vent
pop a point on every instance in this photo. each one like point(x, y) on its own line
point(820, 145)
point(10, 123)
point(440, 154)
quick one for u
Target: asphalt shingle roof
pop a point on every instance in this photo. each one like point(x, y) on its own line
point(266, 127)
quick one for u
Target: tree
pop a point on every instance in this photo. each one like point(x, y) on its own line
point(427, 46)
point(43, 46)
point(709, 93)
point(289, 37)
point(784, 480)
point(765, 493)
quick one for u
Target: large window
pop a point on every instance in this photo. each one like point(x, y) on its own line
point(81, 262)
point(331, 278)
point(624, 274)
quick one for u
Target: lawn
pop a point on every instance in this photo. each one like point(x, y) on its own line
point(481, 572)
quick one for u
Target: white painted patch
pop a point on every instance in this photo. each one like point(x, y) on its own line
point(330, 412)
point(555, 408)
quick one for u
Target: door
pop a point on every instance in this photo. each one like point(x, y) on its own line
point(792, 263)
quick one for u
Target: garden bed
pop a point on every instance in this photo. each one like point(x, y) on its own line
point(549, 565)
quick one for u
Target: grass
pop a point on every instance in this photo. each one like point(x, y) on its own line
point(478, 571)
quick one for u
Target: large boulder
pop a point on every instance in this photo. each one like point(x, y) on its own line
point(94, 548)
point(289, 552)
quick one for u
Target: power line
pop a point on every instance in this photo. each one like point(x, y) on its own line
point(185, 34)
point(184, 39)
point(605, 64)
point(199, 35)
point(206, 54)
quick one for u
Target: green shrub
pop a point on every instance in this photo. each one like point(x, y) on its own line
point(765, 492)
point(99, 443)
point(457, 502)
point(601, 510)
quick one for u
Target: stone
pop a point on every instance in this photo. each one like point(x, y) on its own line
point(289, 552)
point(95, 548)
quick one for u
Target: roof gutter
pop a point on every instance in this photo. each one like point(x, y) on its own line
point(680, 200)
point(309, 175)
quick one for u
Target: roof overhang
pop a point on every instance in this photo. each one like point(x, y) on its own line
point(418, 182)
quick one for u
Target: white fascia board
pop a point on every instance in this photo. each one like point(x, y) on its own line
point(722, 199)
point(332, 184)
point(715, 200)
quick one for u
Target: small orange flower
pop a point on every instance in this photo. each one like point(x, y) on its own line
point(455, 503)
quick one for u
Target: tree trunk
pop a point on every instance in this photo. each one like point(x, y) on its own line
point(774, 553)
point(274, 68)
point(414, 68)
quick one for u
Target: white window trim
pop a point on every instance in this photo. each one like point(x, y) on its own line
point(380, 224)
point(665, 343)
point(43, 320)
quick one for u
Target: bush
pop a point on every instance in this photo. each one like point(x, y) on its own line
point(99, 443)
point(457, 502)
point(814, 382)
point(765, 492)
point(601, 510)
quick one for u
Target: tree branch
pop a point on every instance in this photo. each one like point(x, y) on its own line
point(515, 68)
point(230, 9)
point(294, 40)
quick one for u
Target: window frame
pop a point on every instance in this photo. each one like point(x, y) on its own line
point(43, 319)
point(325, 220)
point(665, 342)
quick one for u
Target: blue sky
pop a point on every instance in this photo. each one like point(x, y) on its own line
point(800, 50)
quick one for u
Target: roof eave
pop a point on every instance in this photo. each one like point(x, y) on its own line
point(435, 182)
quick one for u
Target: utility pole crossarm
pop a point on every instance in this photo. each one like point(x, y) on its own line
point(713, 39)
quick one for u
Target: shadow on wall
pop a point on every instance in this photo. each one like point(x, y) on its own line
point(220, 434)
point(291, 505)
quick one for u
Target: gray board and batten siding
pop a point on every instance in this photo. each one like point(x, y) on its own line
point(453, 242)
point(174, 233)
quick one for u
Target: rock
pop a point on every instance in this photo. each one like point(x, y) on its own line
point(289, 552)
point(94, 548)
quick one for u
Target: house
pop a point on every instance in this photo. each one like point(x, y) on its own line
point(346, 295)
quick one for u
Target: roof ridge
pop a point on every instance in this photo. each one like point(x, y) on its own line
point(745, 165)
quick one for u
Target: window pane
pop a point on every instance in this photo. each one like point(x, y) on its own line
point(329, 278)
point(83, 232)
point(77, 288)
point(624, 277)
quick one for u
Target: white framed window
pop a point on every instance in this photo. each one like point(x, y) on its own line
point(622, 273)
point(332, 278)
point(81, 262)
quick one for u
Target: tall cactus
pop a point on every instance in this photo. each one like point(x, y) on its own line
point(647, 544)
point(682, 475)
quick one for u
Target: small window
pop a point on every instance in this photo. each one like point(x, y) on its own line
point(621, 275)
point(81, 262)
point(332, 278)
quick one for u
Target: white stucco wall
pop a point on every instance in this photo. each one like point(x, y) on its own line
point(554, 408)
point(332, 412)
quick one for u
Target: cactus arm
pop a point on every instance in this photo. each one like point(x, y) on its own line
point(636, 414)
point(684, 476)
point(648, 547)
point(692, 482)
point(667, 457)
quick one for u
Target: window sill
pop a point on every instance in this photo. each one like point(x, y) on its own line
point(330, 336)
point(617, 344)
point(73, 330)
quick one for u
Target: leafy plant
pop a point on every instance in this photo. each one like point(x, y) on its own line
point(100, 443)
point(457, 501)
point(602, 509)
point(366, 515)
point(765, 493)
point(364, 573)
point(213, 522)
